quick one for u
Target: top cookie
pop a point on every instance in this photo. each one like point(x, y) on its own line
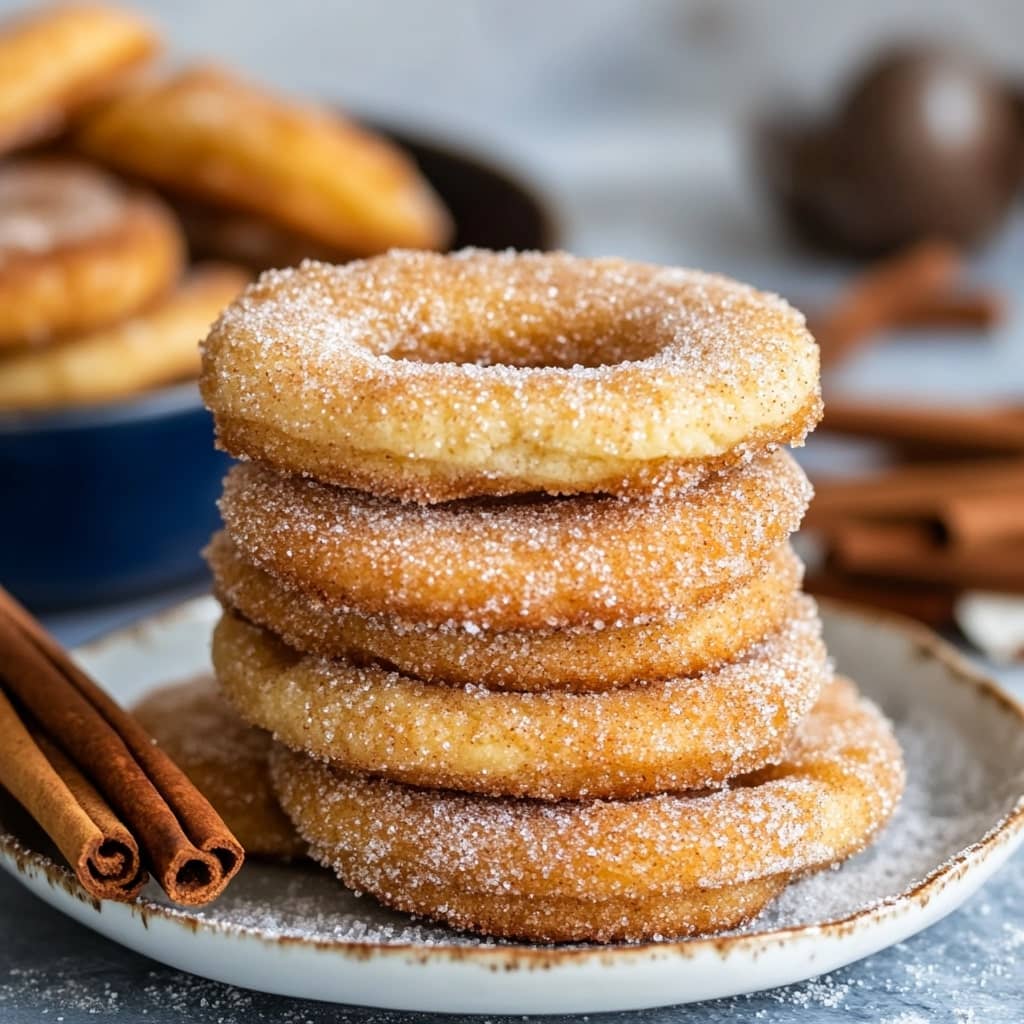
point(427, 378)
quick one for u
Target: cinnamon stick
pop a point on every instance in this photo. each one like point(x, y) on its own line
point(922, 490)
point(932, 605)
point(971, 311)
point(997, 430)
point(973, 521)
point(191, 850)
point(882, 295)
point(909, 551)
point(90, 836)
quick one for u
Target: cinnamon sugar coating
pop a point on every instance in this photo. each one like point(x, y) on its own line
point(687, 641)
point(430, 378)
point(422, 849)
point(207, 133)
point(226, 759)
point(78, 251)
point(537, 563)
point(682, 733)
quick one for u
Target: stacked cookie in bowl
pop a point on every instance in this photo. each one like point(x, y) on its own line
point(507, 575)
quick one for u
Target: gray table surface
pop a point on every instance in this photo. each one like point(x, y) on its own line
point(673, 190)
point(965, 970)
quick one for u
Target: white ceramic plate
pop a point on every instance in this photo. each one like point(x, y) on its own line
point(293, 930)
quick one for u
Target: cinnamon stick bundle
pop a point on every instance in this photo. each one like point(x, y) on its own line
point(68, 808)
point(974, 521)
point(189, 848)
point(996, 430)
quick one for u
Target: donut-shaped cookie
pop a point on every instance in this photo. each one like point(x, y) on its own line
point(226, 761)
point(684, 733)
point(205, 133)
point(77, 251)
point(490, 864)
point(157, 346)
point(691, 640)
point(58, 57)
point(511, 564)
point(429, 377)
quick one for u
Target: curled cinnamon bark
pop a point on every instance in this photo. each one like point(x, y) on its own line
point(91, 837)
point(182, 838)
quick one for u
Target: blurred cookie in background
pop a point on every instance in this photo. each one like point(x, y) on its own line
point(56, 58)
point(78, 250)
point(155, 347)
point(205, 133)
point(114, 180)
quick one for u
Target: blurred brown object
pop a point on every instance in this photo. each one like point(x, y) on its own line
point(975, 521)
point(979, 310)
point(913, 552)
point(925, 143)
point(79, 251)
point(915, 538)
point(929, 604)
point(884, 295)
point(994, 430)
point(969, 522)
point(913, 491)
point(217, 233)
point(156, 346)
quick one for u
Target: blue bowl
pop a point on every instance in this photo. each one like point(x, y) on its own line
point(106, 502)
point(109, 502)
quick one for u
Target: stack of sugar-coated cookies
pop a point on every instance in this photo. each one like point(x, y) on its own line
point(507, 575)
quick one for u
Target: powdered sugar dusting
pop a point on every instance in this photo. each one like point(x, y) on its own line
point(965, 762)
point(835, 786)
point(600, 657)
point(511, 310)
